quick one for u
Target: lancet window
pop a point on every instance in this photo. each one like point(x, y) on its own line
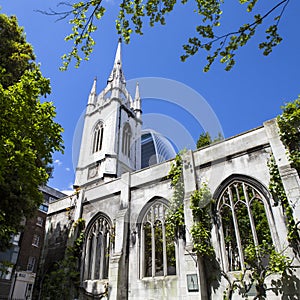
point(157, 247)
point(97, 249)
point(126, 140)
point(242, 211)
point(98, 137)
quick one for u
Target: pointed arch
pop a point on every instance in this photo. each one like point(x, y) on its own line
point(97, 137)
point(157, 249)
point(97, 248)
point(243, 218)
point(126, 139)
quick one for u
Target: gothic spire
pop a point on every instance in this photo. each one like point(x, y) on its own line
point(137, 92)
point(93, 92)
point(116, 74)
point(137, 101)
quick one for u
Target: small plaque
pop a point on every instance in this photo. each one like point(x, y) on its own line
point(192, 282)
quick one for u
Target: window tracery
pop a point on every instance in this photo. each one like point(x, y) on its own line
point(98, 137)
point(126, 140)
point(242, 212)
point(97, 249)
point(158, 249)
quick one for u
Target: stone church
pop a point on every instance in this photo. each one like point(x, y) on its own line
point(126, 252)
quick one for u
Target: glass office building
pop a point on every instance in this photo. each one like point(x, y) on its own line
point(155, 148)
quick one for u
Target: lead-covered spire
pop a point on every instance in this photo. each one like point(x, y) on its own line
point(116, 75)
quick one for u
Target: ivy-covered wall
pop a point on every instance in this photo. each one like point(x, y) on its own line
point(189, 184)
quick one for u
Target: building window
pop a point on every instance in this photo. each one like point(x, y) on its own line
point(243, 222)
point(98, 137)
point(126, 140)
point(36, 240)
point(97, 250)
point(39, 221)
point(158, 249)
point(43, 207)
point(15, 239)
point(31, 263)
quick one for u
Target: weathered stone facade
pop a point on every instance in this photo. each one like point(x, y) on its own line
point(116, 207)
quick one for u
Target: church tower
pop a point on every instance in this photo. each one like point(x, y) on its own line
point(111, 138)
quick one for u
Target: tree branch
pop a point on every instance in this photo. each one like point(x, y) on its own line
point(258, 21)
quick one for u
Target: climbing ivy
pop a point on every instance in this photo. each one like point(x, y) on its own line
point(255, 260)
point(175, 215)
point(261, 262)
point(289, 125)
point(277, 190)
point(201, 201)
point(64, 279)
point(76, 249)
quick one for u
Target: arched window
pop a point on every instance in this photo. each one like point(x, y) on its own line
point(97, 249)
point(241, 209)
point(157, 247)
point(126, 140)
point(98, 137)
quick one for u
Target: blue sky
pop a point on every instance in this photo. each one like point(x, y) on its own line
point(242, 99)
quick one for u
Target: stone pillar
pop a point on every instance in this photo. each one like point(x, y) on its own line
point(190, 185)
point(79, 194)
point(76, 201)
point(118, 268)
point(118, 280)
point(289, 175)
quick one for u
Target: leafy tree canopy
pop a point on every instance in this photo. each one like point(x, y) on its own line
point(209, 37)
point(28, 133)
point(205, 139)
point(16, 53)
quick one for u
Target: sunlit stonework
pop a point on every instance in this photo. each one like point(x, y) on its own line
point(127, 253)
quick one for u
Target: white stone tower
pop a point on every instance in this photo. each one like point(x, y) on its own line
point(111, 138)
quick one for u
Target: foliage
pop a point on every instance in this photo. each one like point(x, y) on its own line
point(225, 46)
point(201, 230)
point(133, 14)
point(256, 260)
point(243, 221)
point(76, 249)
point(175, 216)
point(6, 232)
point(28, 133)
point(261, 262)
point(64, 279)
point(205, 139)
point(277, 190)
point(159, 245)
point(4, 266)
point(275, 184)
point(16, 54)
point(289, 124)
point(260, 258)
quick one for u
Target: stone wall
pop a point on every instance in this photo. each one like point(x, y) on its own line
point(124, 199)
